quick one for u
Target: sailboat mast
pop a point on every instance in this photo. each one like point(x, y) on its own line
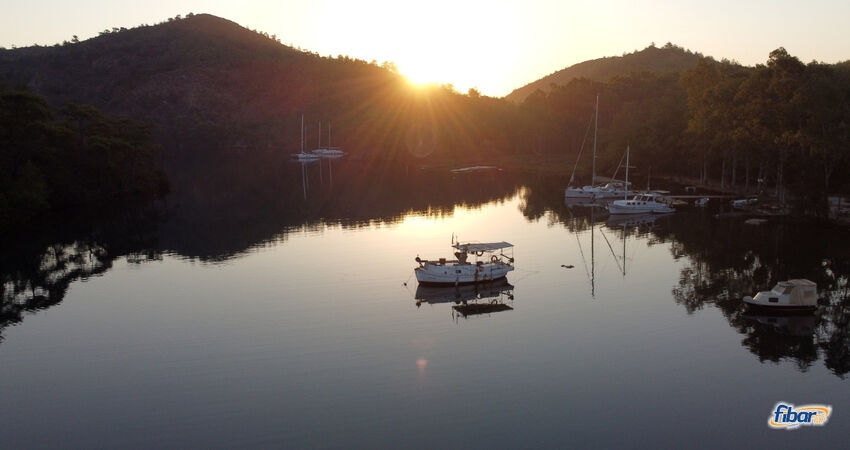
point(302, 133)
point(319, 145)
point(329, 134)
point(626, 194)
point(595, 128)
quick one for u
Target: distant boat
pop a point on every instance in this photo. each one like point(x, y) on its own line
point(787, 296)
point(304, 156)
point(612, 189)
point(474, 169)
point(641, 203)
point(489, 265)
point(701, 202)
point(744, 203)
point(327, 152)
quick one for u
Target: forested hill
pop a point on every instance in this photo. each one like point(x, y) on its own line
point(216, 91)
point(202, 81)
point(669, 58)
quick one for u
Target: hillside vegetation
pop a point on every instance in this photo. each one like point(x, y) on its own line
point(215, 90)
point(669, 58)
point(226, 106)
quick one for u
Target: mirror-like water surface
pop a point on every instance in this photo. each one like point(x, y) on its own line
point(297, 329)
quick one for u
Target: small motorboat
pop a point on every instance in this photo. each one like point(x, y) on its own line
point(488, 266)
point(701, 202)
point(641, 204)
point(792, 296)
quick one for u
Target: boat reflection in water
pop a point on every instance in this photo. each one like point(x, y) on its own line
point(787, 325)
point(469, 300)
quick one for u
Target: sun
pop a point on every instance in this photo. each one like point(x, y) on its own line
point(422, 72)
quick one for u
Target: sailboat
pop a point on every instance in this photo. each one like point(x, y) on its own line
point(327, 152)
point(648, 202)
point(612, 189)
point(304, 156)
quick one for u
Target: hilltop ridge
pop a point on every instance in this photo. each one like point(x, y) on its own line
point(669, 58)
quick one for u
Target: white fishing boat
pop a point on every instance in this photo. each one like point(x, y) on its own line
point(798, 295)
point(491, 263)
point(648, 202)
point(304, 156)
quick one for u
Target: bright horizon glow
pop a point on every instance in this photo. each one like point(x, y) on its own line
point(495, 46)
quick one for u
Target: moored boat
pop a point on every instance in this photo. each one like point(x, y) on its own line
point(491, 263)
point(792, 296)
point(302, 155)
point(641, 204)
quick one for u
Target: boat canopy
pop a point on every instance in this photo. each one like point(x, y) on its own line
point(483, 247)
point(802, 292)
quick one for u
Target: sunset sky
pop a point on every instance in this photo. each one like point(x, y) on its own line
point(493, 45)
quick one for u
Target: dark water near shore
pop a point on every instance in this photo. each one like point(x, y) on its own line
point(281, 319)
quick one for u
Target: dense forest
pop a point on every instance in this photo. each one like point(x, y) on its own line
point(225, 104)
point(783, 125)
point(82, 162)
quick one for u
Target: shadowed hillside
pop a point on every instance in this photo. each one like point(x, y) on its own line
point(669, 58)
point(221, 95)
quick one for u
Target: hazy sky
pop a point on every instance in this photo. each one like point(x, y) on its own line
point(494, 45)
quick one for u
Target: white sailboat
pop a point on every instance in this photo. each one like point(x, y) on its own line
point(327, 152)
point(304, 156)
point(641, 203)
point(612, 189)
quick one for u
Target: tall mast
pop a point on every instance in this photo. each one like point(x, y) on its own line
point(320, 135)
point(595, 128)
point(302, 132)
point(626, 195)
point(329, 134)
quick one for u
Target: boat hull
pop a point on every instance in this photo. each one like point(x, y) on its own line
point(579, 193)
point(462, 274)
point(629, 207)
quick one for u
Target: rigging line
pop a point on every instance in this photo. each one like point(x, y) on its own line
point(581, 149)
point(582, 256)
point(614, 177)
point(612, 250)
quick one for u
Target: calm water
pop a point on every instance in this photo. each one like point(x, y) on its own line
point(293, 327)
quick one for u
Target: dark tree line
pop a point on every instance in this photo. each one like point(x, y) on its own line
point(782, 127)
point(77, 162)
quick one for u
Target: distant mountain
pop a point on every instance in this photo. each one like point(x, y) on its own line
point(669, 58)
point(202, 80)
point(229, 100)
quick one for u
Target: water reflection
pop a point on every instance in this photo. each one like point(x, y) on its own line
point(724, 259)
point(721, 259)
point(37, 271)
point(469, 300)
